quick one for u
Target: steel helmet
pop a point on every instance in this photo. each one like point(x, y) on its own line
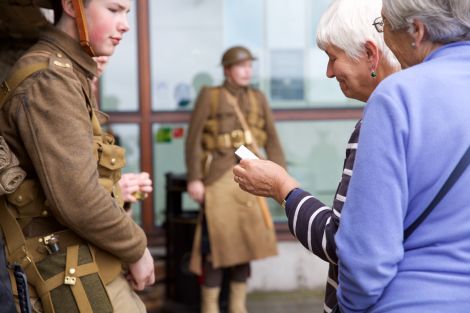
point(236, 54)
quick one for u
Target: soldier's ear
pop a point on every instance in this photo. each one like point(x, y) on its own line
point(67, 7)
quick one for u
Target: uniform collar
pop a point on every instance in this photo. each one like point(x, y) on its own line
point(234, 89)
point(71, 48)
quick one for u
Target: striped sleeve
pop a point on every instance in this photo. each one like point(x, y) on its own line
point(312, 222)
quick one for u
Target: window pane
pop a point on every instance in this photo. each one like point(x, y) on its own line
point(188, 39)
point(119, 83)
point(168, 157)
point(127, 136)
point(315, 158)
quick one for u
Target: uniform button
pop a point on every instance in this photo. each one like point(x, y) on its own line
point(113, 161)
point(44, 213)
point(19, 198)
point(59, 55)
point(72, 271)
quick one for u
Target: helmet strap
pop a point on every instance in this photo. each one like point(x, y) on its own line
point(81, 26)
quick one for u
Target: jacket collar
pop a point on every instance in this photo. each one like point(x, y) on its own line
point(234, 89)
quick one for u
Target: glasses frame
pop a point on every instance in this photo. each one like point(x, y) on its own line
point(379, 24)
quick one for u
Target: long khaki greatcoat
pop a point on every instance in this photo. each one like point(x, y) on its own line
point(237, 232)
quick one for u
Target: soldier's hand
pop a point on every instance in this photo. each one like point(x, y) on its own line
point(133, 185)
point(196, 190)
point(141, 273)
point(264, 178)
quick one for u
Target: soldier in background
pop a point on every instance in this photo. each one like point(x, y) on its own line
point(231, 231)
point(65, 224)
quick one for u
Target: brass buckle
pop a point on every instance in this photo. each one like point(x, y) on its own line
point(70, 280)
point(51, 243)
point(238, 138)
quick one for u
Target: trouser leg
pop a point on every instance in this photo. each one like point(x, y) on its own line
point(210, 289)
point(123, 297)
point(238, 277)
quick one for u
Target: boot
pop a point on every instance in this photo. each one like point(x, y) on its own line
point(210, 299)
point(237, 299)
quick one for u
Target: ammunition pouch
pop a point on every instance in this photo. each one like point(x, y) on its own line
point(213, 140)
point(232, 140)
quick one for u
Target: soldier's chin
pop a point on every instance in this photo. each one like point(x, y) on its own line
point(103, 52)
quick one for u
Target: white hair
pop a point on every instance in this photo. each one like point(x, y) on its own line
point(347, 24)
point(445, 20)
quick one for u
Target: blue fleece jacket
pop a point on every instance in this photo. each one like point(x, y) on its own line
point(416, 127)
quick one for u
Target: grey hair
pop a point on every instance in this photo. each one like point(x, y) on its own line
point(445, 20)
point(347, 24)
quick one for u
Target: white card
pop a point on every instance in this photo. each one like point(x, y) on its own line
point(243, 153)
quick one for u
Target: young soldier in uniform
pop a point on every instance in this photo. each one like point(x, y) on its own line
point(65, 224)
point(232, 231)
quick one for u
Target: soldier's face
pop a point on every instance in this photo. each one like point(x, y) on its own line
point(107, 22)
point(240, 73)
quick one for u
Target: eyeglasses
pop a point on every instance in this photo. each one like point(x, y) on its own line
point(379, 24)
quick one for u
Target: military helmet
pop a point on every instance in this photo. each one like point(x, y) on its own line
point(236, 54)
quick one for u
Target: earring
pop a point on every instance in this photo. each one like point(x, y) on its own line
point(413, 45)
point(373, 74)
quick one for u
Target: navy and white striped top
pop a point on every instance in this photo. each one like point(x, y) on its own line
point(314, 224)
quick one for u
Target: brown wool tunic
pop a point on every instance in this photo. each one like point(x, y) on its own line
point(235, 224)
point(47, 125)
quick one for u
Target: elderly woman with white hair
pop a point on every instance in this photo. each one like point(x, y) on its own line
point(404, 240)
point(359, 60)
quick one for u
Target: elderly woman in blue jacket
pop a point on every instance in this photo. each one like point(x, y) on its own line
point(415, 130)
point(359, 60)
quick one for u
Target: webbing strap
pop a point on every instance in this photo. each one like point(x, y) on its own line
point(254, 108)
point(16, 78)
point(71, 272)
point(17, 253)
point(215, 95)
point(81, 26)
point(268, 220)
point(58, 279)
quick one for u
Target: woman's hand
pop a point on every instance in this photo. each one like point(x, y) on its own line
point(196, 191)
point(264, 178)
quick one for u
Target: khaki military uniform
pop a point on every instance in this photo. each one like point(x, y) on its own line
point(237, 232)
point(48, 125)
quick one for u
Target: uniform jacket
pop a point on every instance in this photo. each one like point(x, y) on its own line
point(228, 121)
point(237, 232)
point(47, 125)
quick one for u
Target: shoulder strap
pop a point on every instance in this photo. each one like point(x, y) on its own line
point(454, 176)
point(16, 78)
point(215, 94)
